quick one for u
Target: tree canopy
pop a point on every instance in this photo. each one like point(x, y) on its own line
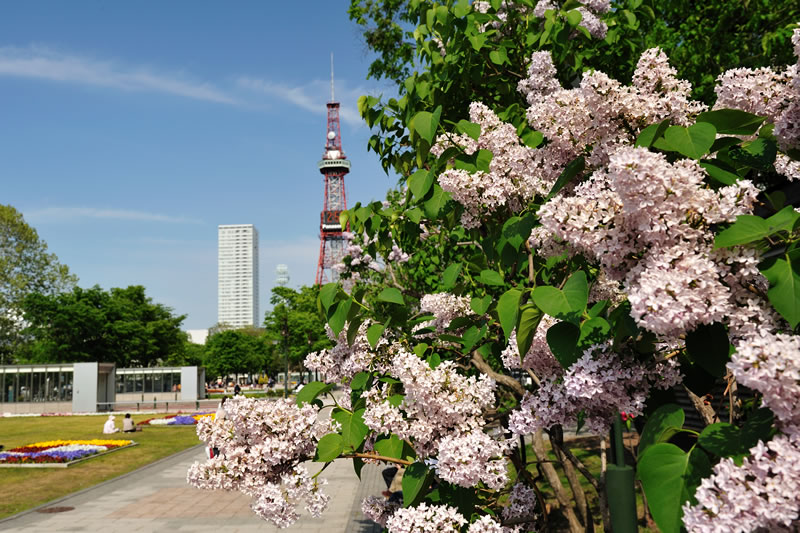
point(235, 352)
point(25, 267)
point(296, 324)
point(123, 326)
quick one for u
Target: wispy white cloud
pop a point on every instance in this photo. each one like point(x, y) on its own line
point(310, 96)
point(47, 64)
point(66, 214)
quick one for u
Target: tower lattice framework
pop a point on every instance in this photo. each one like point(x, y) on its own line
point(333, 166)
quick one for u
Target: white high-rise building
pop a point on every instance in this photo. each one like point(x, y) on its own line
point(238, 276)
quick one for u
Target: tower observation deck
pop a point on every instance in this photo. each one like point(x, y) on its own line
point(333, 167)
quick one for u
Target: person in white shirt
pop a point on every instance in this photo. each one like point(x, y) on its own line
point(109, 426)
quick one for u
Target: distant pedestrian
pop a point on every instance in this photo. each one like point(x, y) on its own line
point(237, 390)
point(109, 426)
point(127, 424)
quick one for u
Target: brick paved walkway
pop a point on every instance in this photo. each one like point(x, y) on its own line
point(156, 498)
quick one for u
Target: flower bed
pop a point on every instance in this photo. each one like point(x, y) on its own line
point(177, 420)
point(59, 451)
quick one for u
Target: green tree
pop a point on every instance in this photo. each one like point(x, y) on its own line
point(296, 325)
point(123, 326)
point(234, 352)
point(25, 267)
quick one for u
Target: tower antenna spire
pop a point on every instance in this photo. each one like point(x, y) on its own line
point(332, 97)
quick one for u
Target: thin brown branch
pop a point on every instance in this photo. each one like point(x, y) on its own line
point(376, 457)
point(508, 381)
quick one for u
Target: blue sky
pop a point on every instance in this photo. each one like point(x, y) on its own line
point(130, 130)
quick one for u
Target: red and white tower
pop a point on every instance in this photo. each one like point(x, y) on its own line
point(334, 166)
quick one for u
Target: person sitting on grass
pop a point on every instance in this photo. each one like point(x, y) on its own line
point(109, 426)
point(127, 424)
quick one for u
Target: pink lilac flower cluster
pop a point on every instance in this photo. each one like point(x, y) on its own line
point(600, 115)
point(444, 307)
point(506, 185)
point(261, 445)
point(596, 387)
point(441, 413)
point(398, 255)
point(539, 358)
point(759, 495)
point(426, 519)
point(589, 11)
point(648, 223)
point(378, 509)
point(345, 360)
point(771, 93)
point(770, 363)
point(521, 504)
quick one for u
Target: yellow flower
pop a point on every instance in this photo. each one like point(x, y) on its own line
point(95, 442)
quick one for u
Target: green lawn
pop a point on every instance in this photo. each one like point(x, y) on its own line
point(23, 488)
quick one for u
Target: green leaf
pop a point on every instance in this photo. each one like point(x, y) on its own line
point(746, 229)
point(415, 480)
point(420, 349)
point(499, 56)
point(337, 317)
point(759, 154)
point(694, 141)
point(784, 220)
point(516, 230)
point(661, 425)
point(391, 295)
point(784, 291)
point(433, 361)
point(562, 338)
point(507, 309)
point(469, 128)
point(415, 215)
point(353, 428)
point(461, 8)
point(670, 477)
point(358, 382)
point(491, 277)
point(526, 328)
point(450, 276)
point(532, 138)
point(651, 133)
point(483, 158)
point(358, 465)
point(732, 121)
point(329, 448)
point(391, 446)
point(576, 290)
point(709, 348)
point(716, 171)
point(425, 124)
point(310, 392)
point(594, 331)
point(374, 333)
point(435, 203)
point(727, 440)
point(558, 303)
point(327, 294)
point(480, 305)
point(574, 17)
point(420, 183)
point(572, 169)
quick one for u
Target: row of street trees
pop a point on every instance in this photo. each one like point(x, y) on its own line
point(46, 318)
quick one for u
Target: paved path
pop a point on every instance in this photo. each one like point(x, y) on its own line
point(157, 498)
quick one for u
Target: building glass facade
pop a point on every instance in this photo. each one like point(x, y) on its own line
point(36, 383)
